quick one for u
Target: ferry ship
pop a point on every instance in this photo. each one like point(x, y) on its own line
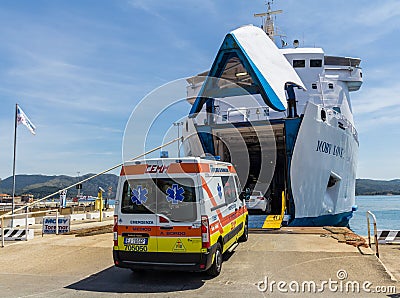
point(283, 117)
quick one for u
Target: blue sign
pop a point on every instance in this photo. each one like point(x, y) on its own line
point(49, 225)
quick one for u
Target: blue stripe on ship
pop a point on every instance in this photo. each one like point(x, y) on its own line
point(338, 220)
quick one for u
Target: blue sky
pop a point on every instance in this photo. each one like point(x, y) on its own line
point(77, 69)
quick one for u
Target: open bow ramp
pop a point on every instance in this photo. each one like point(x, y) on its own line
point(250, 59)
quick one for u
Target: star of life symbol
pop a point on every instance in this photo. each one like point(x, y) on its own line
point(175, 194)
point(139, 195)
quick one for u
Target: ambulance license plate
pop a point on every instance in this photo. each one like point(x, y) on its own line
point(136, 241)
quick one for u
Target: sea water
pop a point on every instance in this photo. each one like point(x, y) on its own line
point(385, 208)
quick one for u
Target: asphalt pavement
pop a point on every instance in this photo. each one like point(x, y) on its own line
point(268, 264)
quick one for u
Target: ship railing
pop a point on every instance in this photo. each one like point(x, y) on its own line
point(242, 114)
point(344, 122)
point(371, 215)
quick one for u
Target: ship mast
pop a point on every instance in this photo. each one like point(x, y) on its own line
point(268, 25)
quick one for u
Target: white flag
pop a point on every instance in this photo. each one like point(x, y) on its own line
point(22, 118)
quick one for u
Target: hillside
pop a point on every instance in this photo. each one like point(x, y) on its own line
point(377, 187)
point(41, 185)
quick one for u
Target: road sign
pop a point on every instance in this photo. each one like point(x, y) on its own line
point(49, 225)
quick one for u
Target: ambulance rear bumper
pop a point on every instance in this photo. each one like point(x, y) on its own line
point(163, 260)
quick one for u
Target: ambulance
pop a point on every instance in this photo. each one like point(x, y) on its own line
point(178, 214)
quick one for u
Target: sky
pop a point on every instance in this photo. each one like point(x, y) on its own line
point(78, 69)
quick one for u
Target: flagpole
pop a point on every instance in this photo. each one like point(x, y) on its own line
point(15, 153)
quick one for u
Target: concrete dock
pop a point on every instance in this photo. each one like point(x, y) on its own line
point(69, 266)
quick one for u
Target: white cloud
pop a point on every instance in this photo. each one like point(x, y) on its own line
point(374, 99)
point(376, 107)
point(155, 7)
point(379, 12)
point(147, 6)
point(61, 83)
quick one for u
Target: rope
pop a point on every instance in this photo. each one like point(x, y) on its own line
point(91, 177)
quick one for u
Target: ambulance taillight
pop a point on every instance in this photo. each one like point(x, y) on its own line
point(162, 219)
point(205, 232)
point(115, 230)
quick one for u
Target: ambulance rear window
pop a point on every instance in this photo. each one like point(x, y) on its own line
point(139, 196)
point(176, 199)
point(173, 198)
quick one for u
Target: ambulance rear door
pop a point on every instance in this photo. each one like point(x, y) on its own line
point(137, 220)
point(179, 220)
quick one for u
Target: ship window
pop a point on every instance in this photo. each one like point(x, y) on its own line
point(330, 86)
point(315, 63)
point(314, 86)
point(299, 63)
point(323, 115)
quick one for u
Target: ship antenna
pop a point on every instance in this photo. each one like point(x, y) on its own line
point(268, 22)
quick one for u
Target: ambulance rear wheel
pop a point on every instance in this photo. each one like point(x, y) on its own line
point(216, 266)
point(245, 235)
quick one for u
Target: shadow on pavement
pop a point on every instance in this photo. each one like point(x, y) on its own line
point(118, 280)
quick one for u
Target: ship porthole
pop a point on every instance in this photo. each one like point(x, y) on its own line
point(323, 115)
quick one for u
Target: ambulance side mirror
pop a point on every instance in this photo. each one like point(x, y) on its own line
point(245, 195)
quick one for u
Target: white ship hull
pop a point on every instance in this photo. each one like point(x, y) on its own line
point(323, 150)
